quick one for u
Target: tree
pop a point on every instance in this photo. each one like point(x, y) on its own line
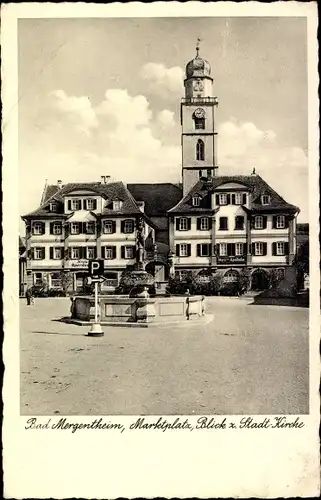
point(66, 280)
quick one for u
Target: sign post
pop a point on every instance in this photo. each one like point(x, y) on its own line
point(96, 269)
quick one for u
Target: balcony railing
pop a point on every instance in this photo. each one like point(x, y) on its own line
point(199, 100)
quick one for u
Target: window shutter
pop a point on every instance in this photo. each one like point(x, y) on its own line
point(198, 223)
point(188, 223)
point(210, 223)
point(43, 253)
point(226, 223)
point(114, 226)
point(252, 222)
point(217, 198)
point(189, 250)
point(216, 249)
point(51, 253)
point(62, 250)
point(233, 249)
point(264, 221)
point(228, 199)
point(244, 198)
point(95, 205)
point(264, 248)
point(274, 248)
point(69, 204)
point(114, 252)
point(286, 221)
point(177, 250)
point(83, 227)
point(274, 222)
point(253, 249)
point(198, 250)
point(85, 204)
point(132, 227)
point(286, 248)
point(51, 228)
point(134, 251)
point(122, 228)
point(43, 227)
point(122, 252)
point(229, 249)
point(233, 199)
point(209, 247)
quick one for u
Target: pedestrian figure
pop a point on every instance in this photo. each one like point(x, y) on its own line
point(29, 297)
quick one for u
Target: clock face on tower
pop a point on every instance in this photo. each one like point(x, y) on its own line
point(198, 85)
point(199, 113)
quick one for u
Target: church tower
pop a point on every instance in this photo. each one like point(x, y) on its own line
point(198, 123)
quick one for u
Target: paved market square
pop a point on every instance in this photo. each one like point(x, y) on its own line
point(250, 359)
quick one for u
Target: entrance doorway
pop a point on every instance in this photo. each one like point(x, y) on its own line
point(260, 280)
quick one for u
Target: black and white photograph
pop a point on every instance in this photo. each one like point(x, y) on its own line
point(176, 159)
point(164, 208)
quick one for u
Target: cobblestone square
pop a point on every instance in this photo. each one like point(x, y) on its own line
point(249, 360)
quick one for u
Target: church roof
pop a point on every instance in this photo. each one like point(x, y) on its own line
point(256, 185)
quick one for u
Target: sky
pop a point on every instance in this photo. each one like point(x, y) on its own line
point(102, 97)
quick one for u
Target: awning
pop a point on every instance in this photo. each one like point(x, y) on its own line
point(82, 216)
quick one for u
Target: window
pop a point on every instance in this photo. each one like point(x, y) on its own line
point(183, 224)
point(57, 229)
point(110, 253)
point(200, 150)
point(108, 227)
point(129, 252)
point(53, 207)
point(280, 248)
point(199, 123)
point(91, 204)
point(117, 204)
point(75, 204)
point(238, 198)
point(203, 250)
point(258, 248)
point(196, 201)
point(74, 228)
point(183, 250)
point(239, 249)
point(239, 222)
point(258, 222)
point(222, 249)
point(90, 227)
point(39, 253)
point(37, 228)
point(265, 199)
point(90, 252)
point(204, 224)
point(222, 198)
point(280, 222)
point(38, 278)
point(128, 226)
point(223, 223)
point(57, 253)
point(75, 253)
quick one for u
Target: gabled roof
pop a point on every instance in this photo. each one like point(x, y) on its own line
point(158, 198)
point(256, 185)
point(110, 191)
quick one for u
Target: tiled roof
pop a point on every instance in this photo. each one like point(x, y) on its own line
point(111, 191)
point(255, 183)
point(158, 198)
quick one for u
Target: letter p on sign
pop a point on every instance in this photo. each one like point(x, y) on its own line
point(96, 267)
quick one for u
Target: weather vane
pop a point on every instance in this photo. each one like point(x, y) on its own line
point(198, 45)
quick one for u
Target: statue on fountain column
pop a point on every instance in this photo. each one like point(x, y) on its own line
point(140, 244)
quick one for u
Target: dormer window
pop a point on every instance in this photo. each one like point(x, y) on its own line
point(91, 204)
point(53, 207)
point(75, 204)
point(265, 199)
point(117, 204)
point(196, 200)
point(222, 199)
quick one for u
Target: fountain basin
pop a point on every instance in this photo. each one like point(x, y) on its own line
point(122, 310)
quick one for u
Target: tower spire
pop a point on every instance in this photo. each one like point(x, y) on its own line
point(198, 40)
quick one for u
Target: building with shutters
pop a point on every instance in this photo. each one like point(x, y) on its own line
point(223, 222)
point(79, 222)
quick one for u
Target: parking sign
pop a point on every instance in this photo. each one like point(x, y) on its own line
point(96, 267)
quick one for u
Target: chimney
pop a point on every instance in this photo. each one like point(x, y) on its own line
point(59, 183)
point(103, 179)
point(141, 205)
point(107, 179)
